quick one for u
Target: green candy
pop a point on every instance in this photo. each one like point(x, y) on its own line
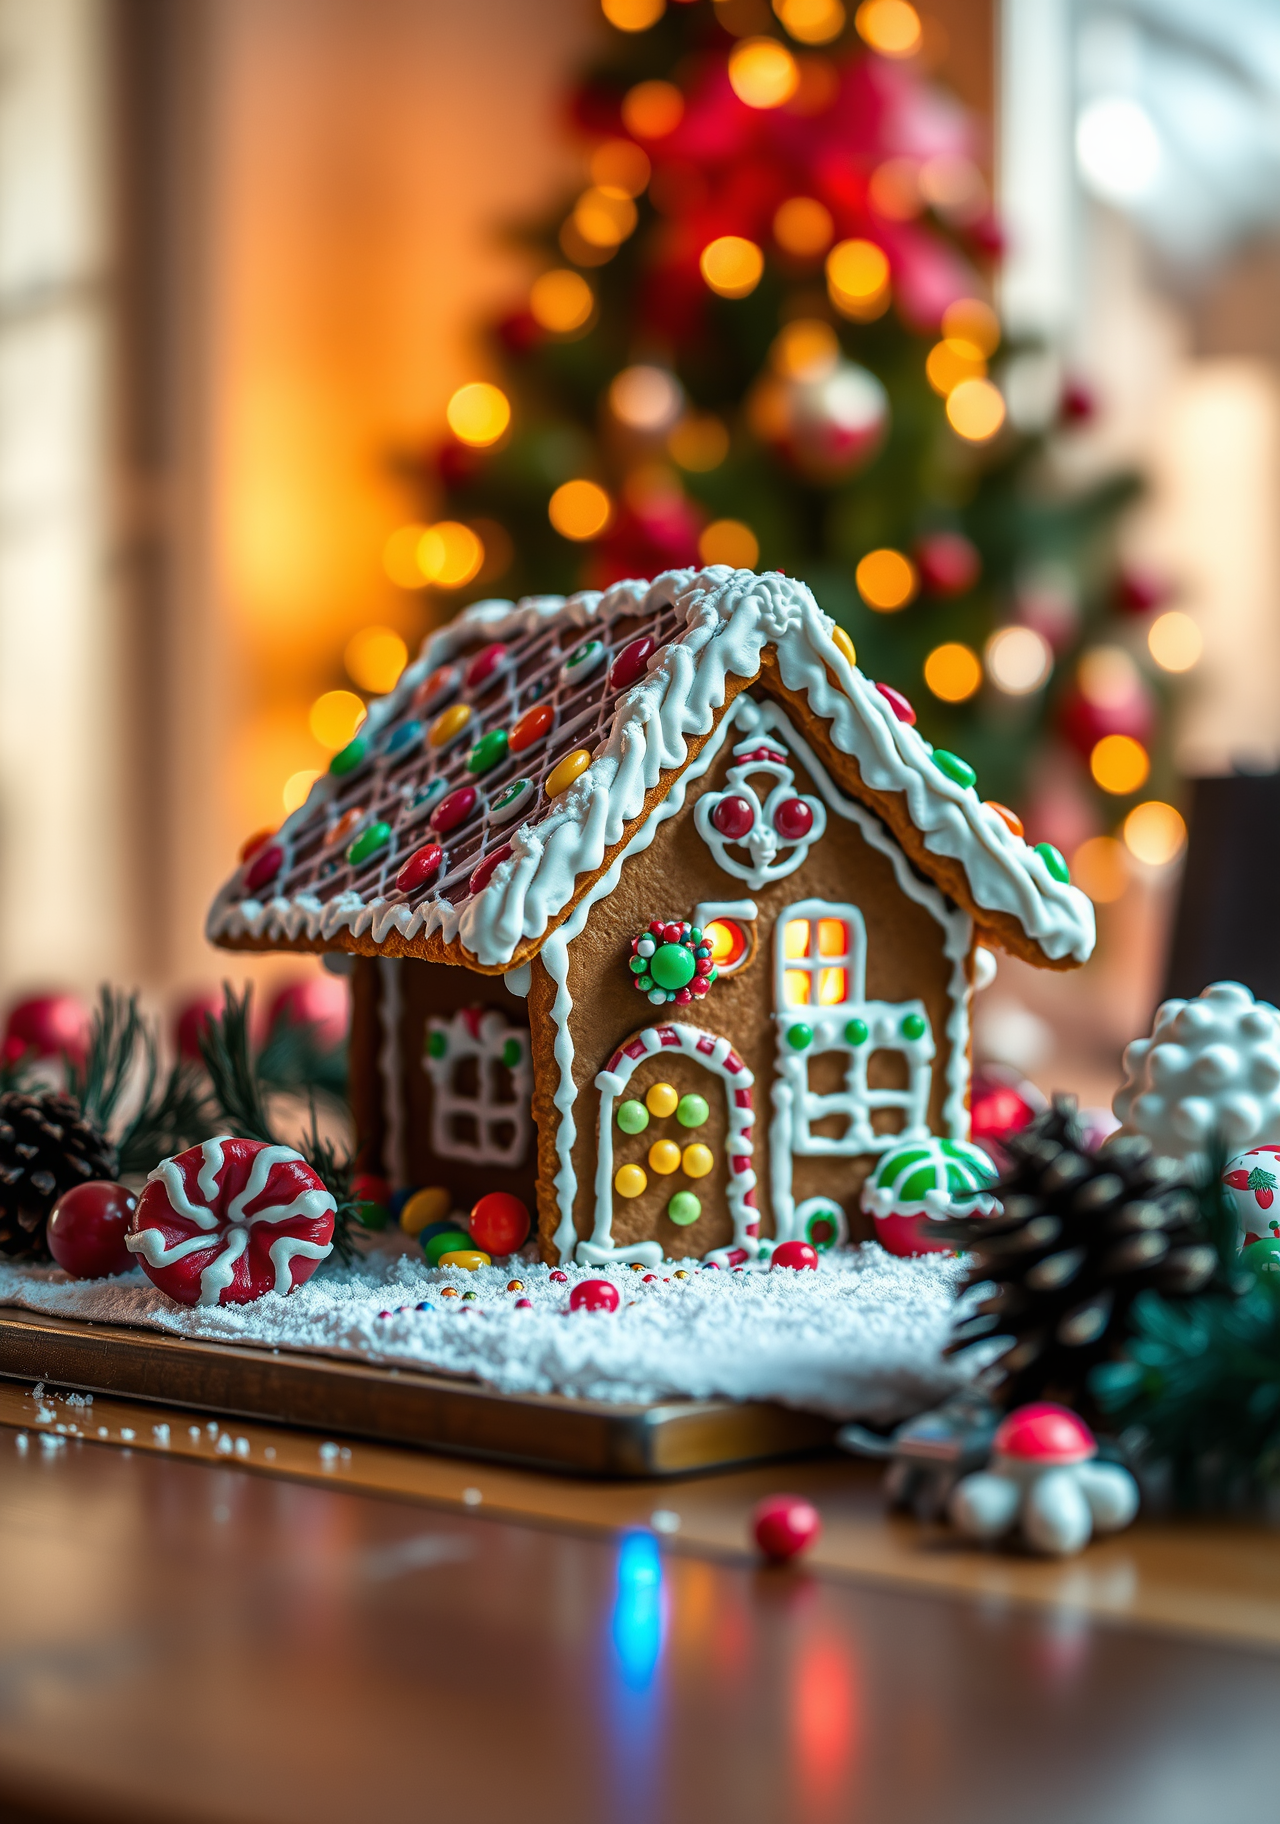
point(368, 842)
point(373, 1215)
point(1052, 859)
point(692, 1111)
point(512, 1052)
point(348, 758)
point(633, 1117)
point(856, 1032)
point(954, 767)
point(799, 1036)
point(914, 1026)
point(447, 1242)
point(684, 1208)
point(672, 966)
point(638, 965)
point(488, 751)
point(437, 1045)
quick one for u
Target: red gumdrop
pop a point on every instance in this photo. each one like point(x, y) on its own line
point(499, 1223)
point(1044, 1433)
point(488, 868)
point(422, 866)
point(794, 1254)
point(485, 663)
point(897, 703)
point(793, 819)
point(47, 1024)
point(193, 1017)
point(557, 1275)
point(87, 1230)
point(321, 1001)
point(264, 867)
point(733, 817)
point(370, 1187)
point(454, 809)
point(594, 1295)
point(784, 1526)
point(629, 666)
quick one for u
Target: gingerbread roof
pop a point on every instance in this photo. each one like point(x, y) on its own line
point(527, 745)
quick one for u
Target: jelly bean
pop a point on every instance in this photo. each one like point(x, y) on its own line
point(445, 1241)
point(487, 661)
point(470, 1258)
point(533, 726)
point(454, 809)
point(897, 703)
point(449, 724)
point(488, 868)
point(422, 866)
point(1010, 818)
point(489, 751)
point(630, 665)
point(844, 645)
point(369, 843)
point(348, 758)
point(423, 1208)
point(566, 771)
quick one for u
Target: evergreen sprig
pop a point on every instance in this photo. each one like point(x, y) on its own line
point(171, 1109)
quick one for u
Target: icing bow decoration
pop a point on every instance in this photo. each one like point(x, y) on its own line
point(776, 832)
point(671, 962)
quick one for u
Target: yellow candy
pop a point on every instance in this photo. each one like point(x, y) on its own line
point(570, 768)
point(515, 1285)
point(630, 1181)
point(843, 644)
point(664, 1156)
point(431, 1205)
point(470, 1258)
point(451, 723)
point(697, 1160)
point(662, 1100)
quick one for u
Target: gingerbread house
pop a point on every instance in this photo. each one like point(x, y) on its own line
point(662, 915)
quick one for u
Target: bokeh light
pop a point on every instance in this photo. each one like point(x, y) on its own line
point(450, 554)
point(1119, 764)
point(731, 266)
point(478, 413)
point(858, 278)
point(894, 190)
point(886, 580)
point(948, 363)
point(1174, 641)
point(375, 657)
point(645, 398)
point(811, 21)
point(1154, 833)
point(297, 789)
point(889, 26)
point(973, 325)
point(1019, 660)
point(580, 509)
point(651, 110)
point(1108, 677)
point(1099, 869)
point(633, 15)
point(561, 301)
point(400, 557)
point(728, 541)
point(699, 443)
point(805, 349)
point(803, 226)
point(953, 672)
point(762, 72)
point(335, 717)
point(954, 186)
point(975, 409)
point(619, 164)
point(604, 218)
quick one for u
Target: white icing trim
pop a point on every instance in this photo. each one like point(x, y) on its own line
point(731, 617)
point(518, 981)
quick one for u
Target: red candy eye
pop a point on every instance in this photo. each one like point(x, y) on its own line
point(420, 867)
point(628, 668)
point(733, 817)
point(793, 819)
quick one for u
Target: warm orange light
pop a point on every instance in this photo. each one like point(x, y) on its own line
point(762, 72)
point(400, 558)
point(946, 367)
point(1119, 764)
point(604, 218)
point(479, 413)
point(620, 165)
point(580, 509)
point(975, 409)
point(832, 938)
point(561, 301)
point(732, 266)
point(335, 717)
point(633, 15)
point(811, 21)
point(973, 326)
point(953, 672)
point(831, 987)
point(1174, 641)
point(894, 190)
point(699, 443)
point(297, 789)
point(1098, 868)
point(728, 943)
point(375, 657)
point(886, 580)
point(889, 26)
point(1155, 833)
point(805, 349)
point(728, 541)
point(450, 554)
point(651, 110)
point(795, 939)
point(645, 398)
point(858, 278)
point(803, 226)
point(954, 186)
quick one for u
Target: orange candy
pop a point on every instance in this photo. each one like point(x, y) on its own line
point(343, 828)
point(1006, 815)
point(533, 726)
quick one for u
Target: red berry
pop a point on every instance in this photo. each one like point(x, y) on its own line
point(488, 868)
point(322, 1002)
point(87, 1229)
point(897, 703)
point(733, 817)
point(499, 1223)
point(629, 666)
point(556, 1274)
point(655, 927)
point(192, 1020)
point(594, 1295)
point(793, 819)
point(421, 867)
point(784, 1526)
point(794, 1254)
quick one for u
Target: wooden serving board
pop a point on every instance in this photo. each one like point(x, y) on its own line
point(402, 1405)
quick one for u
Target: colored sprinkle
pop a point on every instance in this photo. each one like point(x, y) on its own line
point(954, 767)
point(348, 758)
point(570, 768)
point(799, 1036)
point(533, 726)
point(683, 1209)
point(1052, 859)
point(368, 843)
point(489, 751)
point(1006, 816)
point(450, 724)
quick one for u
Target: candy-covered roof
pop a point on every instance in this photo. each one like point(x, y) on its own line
point(528, 743)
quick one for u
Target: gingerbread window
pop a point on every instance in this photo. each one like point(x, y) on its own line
point(481, 1083)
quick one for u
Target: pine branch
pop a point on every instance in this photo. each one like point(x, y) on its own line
point(173, 1112)
point(114, 1036)
point(228, 1058)
point(293, 1062)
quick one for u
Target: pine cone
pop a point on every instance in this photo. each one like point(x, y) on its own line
point(1080, 1236)
point(46, 1146)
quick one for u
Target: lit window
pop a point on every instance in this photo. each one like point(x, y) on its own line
point(728, 944)
point(820, 951)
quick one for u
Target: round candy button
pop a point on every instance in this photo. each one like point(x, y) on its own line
point(594, 1295)
point(793, 819)
point(664, 1156)
point(630, 1181)
point(785, 1525)
point(692, 1111)
point(662, 1100)
point(697, 1160)
point(733, 817)
point(794, 1254)
point(672, 966)
point(684, 1209)
point(633, 1117)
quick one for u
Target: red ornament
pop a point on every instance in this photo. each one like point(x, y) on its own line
point(259, 1218)
point(87, 1227)
point(733, 817)
point(794, 1254)
point(629, 666)
point(1044, 1433)
point(594, 1295)
point(370, 1187)
point(783, 1526)
point(997, 1110)
point(48, 1025)
point(193, 1016)
point(793, 820)
point(898, 704)
point(1085, 723)
point(488, 868)
point(320, 1001)
point(264, 867)
point(499, 1224)
point(948, 563)
point(422, 866)
point(454, 809)
point(486, 662)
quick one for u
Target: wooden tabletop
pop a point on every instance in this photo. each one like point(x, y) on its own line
point(225, 1637)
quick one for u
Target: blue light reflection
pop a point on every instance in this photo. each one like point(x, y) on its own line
point(639, 1610)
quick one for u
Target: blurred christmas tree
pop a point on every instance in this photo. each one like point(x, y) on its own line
point(763, 336)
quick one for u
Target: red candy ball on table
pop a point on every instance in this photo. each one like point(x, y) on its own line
point(794, 1254)
point(499, 1224)
point(87, 1229)
point(594, 1295)
point(784, 1526)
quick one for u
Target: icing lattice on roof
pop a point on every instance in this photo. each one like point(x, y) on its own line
point(705, 628)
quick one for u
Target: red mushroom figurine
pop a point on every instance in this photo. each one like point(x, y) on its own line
point(1043, 1477)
